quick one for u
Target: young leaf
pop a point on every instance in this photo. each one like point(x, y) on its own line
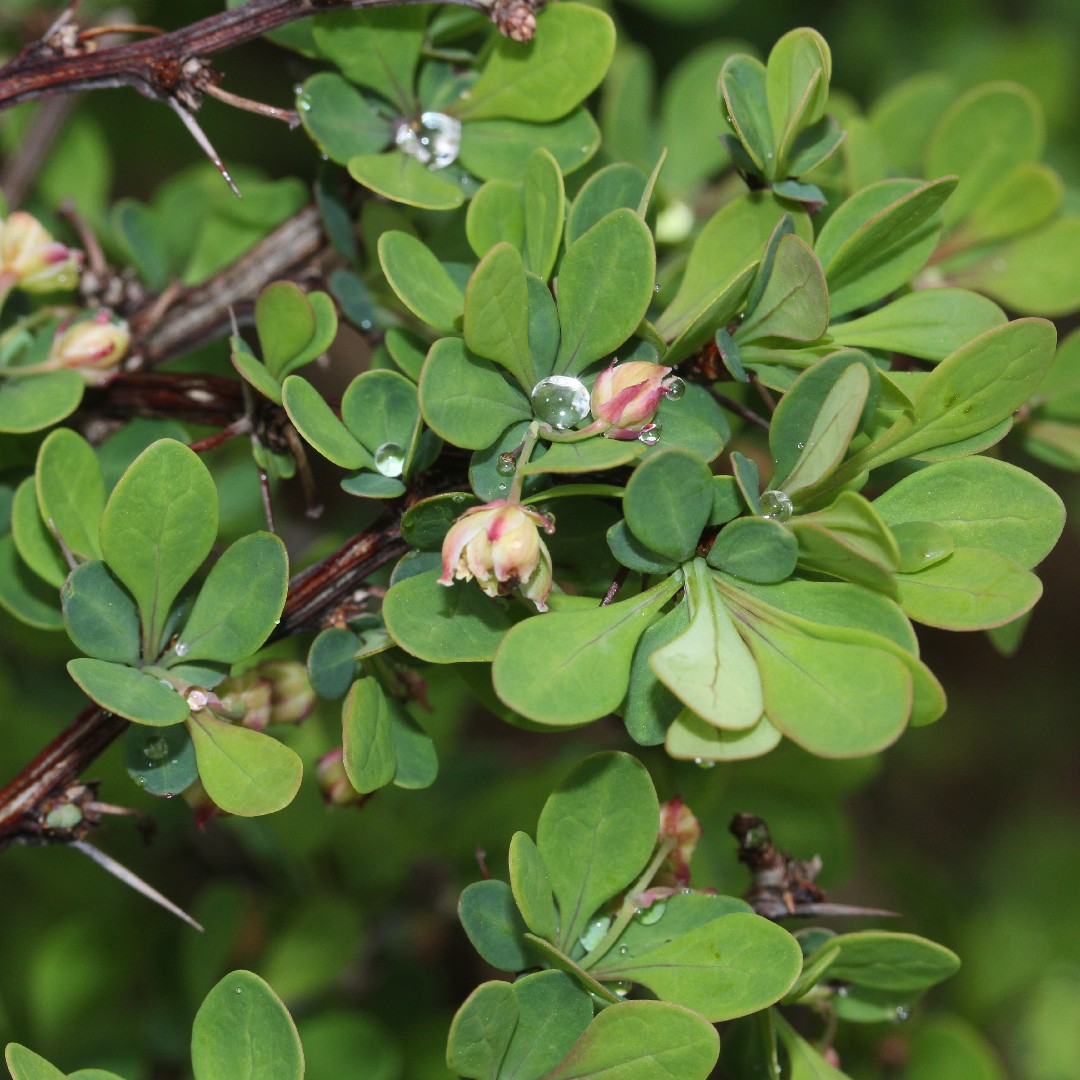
point(414, 750)
point(614, 186)
point(243, 1031)
point(743, 88)
point(36, 545)
point(128, 692)
point(546, 667)
point(285, 322)
point(369, 758)
point(885, 960)
point(23, 593)
point(158, 526)
point(32, 404)
point(794, 305)
point(595, 834)
point(755, 549)
point(240, 602)
point(495, 214)
point(804, 1062)
point(500, 149)
point(397, 176)
point(709, 668)
point(641, 1040)
point(160, 760)
point(689, 738)
point(339, 119)
point(245, 772)
point(380, 409)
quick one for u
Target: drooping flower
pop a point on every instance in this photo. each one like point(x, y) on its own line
point(92, 345)
point(31, 259)
point(626, 396)
point(499, 545)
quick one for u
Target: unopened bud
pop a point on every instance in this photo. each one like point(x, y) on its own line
point(92, 345)
point(334, 781)
point(31, 259)
point(291, 695)
point(245, 699)
point(626, 396)
point(678, 823)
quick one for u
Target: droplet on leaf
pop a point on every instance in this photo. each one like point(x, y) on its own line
point(390, 459)
point(594, 932)
point(155, 749)
point(652, 914)
point(674, 388)
point(560, 400)
point(505, 464)
point(434, 141)
point(776, 505)
point(650, 434)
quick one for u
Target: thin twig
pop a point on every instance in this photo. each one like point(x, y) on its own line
point(740, 410)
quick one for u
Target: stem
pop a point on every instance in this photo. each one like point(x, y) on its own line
point(528, 444)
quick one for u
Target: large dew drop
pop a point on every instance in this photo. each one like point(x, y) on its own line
point(776, 505)
point(390, 459)
point(560, 400)
point(434, 141)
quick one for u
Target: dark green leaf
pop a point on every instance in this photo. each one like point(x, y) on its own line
point(339, 119)
point(497, 313)
point(128, 692)
point(401, 178)
point(316, 422)
point(160, 761)
point(370, 761)
point(99, 614)
point(668, 502)
point(481, 1031)
point(531, 887)
point(755, 549)
point(490, 917)
point(421, 281)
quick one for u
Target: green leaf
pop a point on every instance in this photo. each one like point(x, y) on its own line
point(414, 749)
point(481, 1031)
point(595, 834)
point(369, 758)
point(973, 589)
point(605, 286)
point(331, 662)
point(500, 149)
point(614, 186)
point(1034, 273)
point(444, 624)
point(547, 77)
point(731, 966)
point(495, 214)
point(492, 923)
point(796, 86)
point(403, 179)
point(634, 555)
point(285, 322)
point(804, 1062)
point(553, 1011)
point(949, 1046)
point(243, 1031)
point(981, 503)
point(545, 209)
point(26, 1065)
point(380, 407)
point(650, 707)
point(929, 323)
point(245, 772)
point(339, 119)
point(25, 595)
point(39, 401)
point(755, 549)
point(160, 760)
point(981, 137)
point(709, 668)
point(36, 545)
point(421, 281)
point(71, 491)
point(252, 370)
point(425, 524)
point(589, 455)
point(128, 692)
point(1027, 196)
point(318, 425)
point(531, 887)
point(240, 602)
point(99, 615)
point(689, 738)
point(668, 502)
point(158, 526)
point(879, 238)
point(407, 350)
point(794, 305)
point(886, 960)
point(743, 90)
point(379, 49)
point(546, 666)
point(497, 313)
point(642, 1040)
point(543, 327)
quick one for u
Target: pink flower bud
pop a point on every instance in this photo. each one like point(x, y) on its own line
point(31, 259)
point(626, 396)
point(334, 781)
point(93, 345)
point(678, 823)
point(291, 695)
point(245, 700)
point(499, 544)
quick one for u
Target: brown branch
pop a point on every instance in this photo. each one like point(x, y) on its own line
point(316, 595)
point(161, 67)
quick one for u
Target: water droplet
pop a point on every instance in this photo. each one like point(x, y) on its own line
point(674, 388)
point(197, 699)
point(656, 287)
point(366, 324)
point(434, 139)
point(650, 434)
point(624, 950)
point(560, 400)
point(594, 932)
point(505, 464)
point(800, 446)
point(390, 459)
point(156, 749)
point(704, 763)
point(141, 781)
point(841, 991)
point(620, 988)
point(652, 914)
point(239, 989)
point(901, 1013)
point(181, 648)
point(303, 103)
point(776, 505)
point(168, 794)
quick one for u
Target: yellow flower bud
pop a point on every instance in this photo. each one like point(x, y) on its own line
point(31, 259)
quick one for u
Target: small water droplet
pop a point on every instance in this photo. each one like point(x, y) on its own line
point(594, 932)
point(303, 103)
point(560, 400)
point(141, 781)
point(674, 388)
point(181, 648)
point(366, 324)
point(841, 991)
point(620, 988)
point(239, 989)
point(800, 446)
point(197, 699)
point(652, 914)
point(776, 505)
point(704, 763)
point(390, 459)
point(656, 287)
point(505, 464)
point(434, 139)
point(168, 794)
point(156, 749)
point(650, 434)
point(624, 950)
point(901, 1013)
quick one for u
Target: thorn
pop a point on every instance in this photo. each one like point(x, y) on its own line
point(204, 143)
point(122, 873)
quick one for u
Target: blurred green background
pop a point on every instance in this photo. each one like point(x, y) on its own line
point(968, 828)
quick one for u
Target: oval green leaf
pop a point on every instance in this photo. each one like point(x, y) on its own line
point(128, 692)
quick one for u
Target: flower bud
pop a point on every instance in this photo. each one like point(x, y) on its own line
point(626, 396)
point(291, 695)
point(31, 259)
point(97, 344)
point(678, 823)
point(245, 699)
point(499, 544)
point(334, 781)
